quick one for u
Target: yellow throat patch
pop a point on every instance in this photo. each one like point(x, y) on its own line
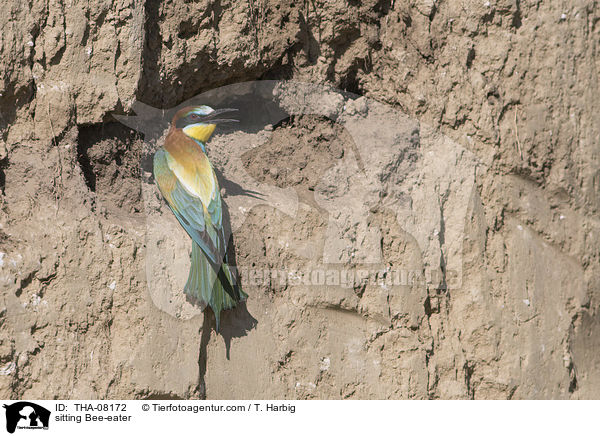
point(200, 132)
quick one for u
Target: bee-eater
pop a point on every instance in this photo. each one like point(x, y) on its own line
point(187, 181)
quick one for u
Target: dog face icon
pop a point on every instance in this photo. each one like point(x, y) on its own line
point(26, 414)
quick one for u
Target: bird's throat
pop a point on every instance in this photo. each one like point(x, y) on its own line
point(199, 132)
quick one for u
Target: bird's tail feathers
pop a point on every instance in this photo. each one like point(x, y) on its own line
point(212, 285)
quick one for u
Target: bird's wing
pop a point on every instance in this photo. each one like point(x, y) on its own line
point(193, 195)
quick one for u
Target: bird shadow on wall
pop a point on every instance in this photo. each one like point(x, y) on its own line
point(236, 322)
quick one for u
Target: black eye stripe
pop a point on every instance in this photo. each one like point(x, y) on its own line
point(188, 119)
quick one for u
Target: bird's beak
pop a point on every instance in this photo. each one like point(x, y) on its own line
point(212, 118)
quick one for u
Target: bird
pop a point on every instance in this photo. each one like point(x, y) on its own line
point(187, 181)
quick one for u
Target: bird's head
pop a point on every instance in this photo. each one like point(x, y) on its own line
point(199, 122)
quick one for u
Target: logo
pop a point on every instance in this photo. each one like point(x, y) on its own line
point(26, 415)
point(386, 177)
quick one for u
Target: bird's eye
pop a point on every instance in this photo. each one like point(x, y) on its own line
point(194, 117)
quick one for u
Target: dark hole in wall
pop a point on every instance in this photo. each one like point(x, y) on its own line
point(468, 368)
point(517, 16)
point(84, 163)
point(470, 57)
point(109, 157)
point(516, 20)
point(383, 7)
point(283, 68)
point(3, 165)
point(351, 83)
point(150, 80)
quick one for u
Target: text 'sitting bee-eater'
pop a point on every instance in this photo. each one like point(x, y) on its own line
point(187, 181)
